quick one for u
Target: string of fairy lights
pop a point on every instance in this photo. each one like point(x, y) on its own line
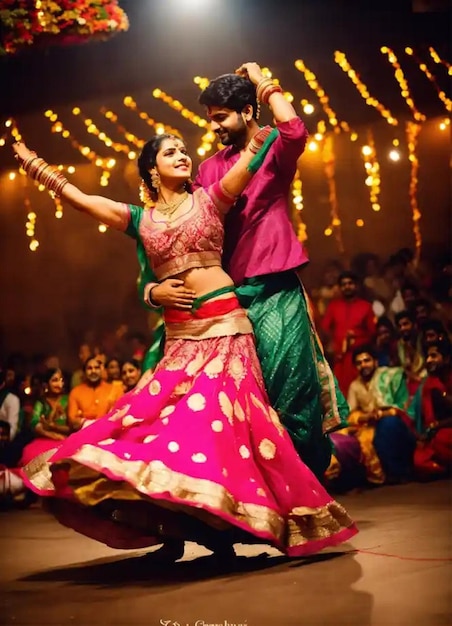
point(321, 142)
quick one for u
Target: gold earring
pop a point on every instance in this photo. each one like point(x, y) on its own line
point(155, 179)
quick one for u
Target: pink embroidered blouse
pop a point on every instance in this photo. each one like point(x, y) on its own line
point(196, 241)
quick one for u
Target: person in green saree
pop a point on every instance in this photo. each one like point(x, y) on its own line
point(49, 422)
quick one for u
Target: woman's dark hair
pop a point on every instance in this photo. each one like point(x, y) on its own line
point(148, 158)
point(133, 362)
point(51, 371)
point(231, 92)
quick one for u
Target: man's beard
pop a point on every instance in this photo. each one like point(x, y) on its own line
point(367, 373)
point(234, 137)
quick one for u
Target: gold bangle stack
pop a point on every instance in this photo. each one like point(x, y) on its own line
point(45, 174)
point(265, 88)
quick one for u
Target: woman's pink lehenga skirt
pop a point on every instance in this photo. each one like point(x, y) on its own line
point(195, 446)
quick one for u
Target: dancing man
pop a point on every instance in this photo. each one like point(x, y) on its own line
point(263, 255)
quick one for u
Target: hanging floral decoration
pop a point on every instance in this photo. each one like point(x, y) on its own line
point(25, 23)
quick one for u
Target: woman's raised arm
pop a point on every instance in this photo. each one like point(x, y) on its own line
point(107, 211)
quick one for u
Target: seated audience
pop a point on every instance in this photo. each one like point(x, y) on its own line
point(49, 422)
point(386, 343)
point(377, 400)
point(9, 421)
point(409, 350)
point(431, 410)
point(93, 398)
point(348, 322)
point(130, 373)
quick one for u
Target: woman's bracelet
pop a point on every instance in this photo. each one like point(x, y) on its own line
point(45, 174)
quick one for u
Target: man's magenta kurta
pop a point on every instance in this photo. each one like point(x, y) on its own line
point(260, 238)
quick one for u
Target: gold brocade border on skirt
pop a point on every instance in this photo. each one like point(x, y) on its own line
point(90, 487)
point(234, 323)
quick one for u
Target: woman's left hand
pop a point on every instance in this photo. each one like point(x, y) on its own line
point(251, 71)
point(21, 151)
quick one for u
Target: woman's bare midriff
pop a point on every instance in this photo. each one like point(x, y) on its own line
point(203, 280)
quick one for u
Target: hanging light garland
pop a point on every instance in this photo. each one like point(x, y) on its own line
point(176, 105)
point(329, 162)
point(130, 137)
point(403, 84)
point(412, 132)
point(297, 202)
point(92, 129)
point(158, 127)
point(30, 225)
point(439, 61)
point(372, 168)
point(422, 66)
point(104, 163)
point(324, 100)
point(363, 91)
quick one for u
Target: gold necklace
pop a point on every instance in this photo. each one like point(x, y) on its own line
point(169, 208)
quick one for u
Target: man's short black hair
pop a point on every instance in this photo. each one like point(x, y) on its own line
point(230, 91)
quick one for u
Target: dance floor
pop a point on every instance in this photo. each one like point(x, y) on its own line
point(396, 571)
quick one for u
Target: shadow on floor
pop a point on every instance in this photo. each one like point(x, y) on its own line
point(142, 569)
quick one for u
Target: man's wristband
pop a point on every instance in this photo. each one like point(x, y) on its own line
point(148, 297)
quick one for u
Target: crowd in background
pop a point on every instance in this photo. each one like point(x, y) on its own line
point(386, 331)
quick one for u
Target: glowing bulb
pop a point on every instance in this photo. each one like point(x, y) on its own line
point(313, 146)
point(31, 216)
point(201, 151)
point(59, 214)
point(360, 223)
point(34, 243)
point(132, 155)
point(71, 169)
point(353, 136)
point(328, 232)
point(376, 207)
point(76, 111)
point(394, 155)
point(308, 108)
point(442, 126)
point(366, 150)
point(8, 123)
point(102, 228)
point(111, 163)
point(12, 175)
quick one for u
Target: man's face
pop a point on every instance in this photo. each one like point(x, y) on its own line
point(348, 287)
point(366, 365)
point(434, 361)
point(93, 371)
point(228, 125)
point(422, 313)
point(409, 297)
point(405, 326)
point(383, 335)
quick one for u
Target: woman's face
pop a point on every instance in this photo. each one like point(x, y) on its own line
point(56, 383)
point(113, 370)
point(172, 161)
point(130, 375)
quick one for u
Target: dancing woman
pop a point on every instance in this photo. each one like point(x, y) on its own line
point(194, 451)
